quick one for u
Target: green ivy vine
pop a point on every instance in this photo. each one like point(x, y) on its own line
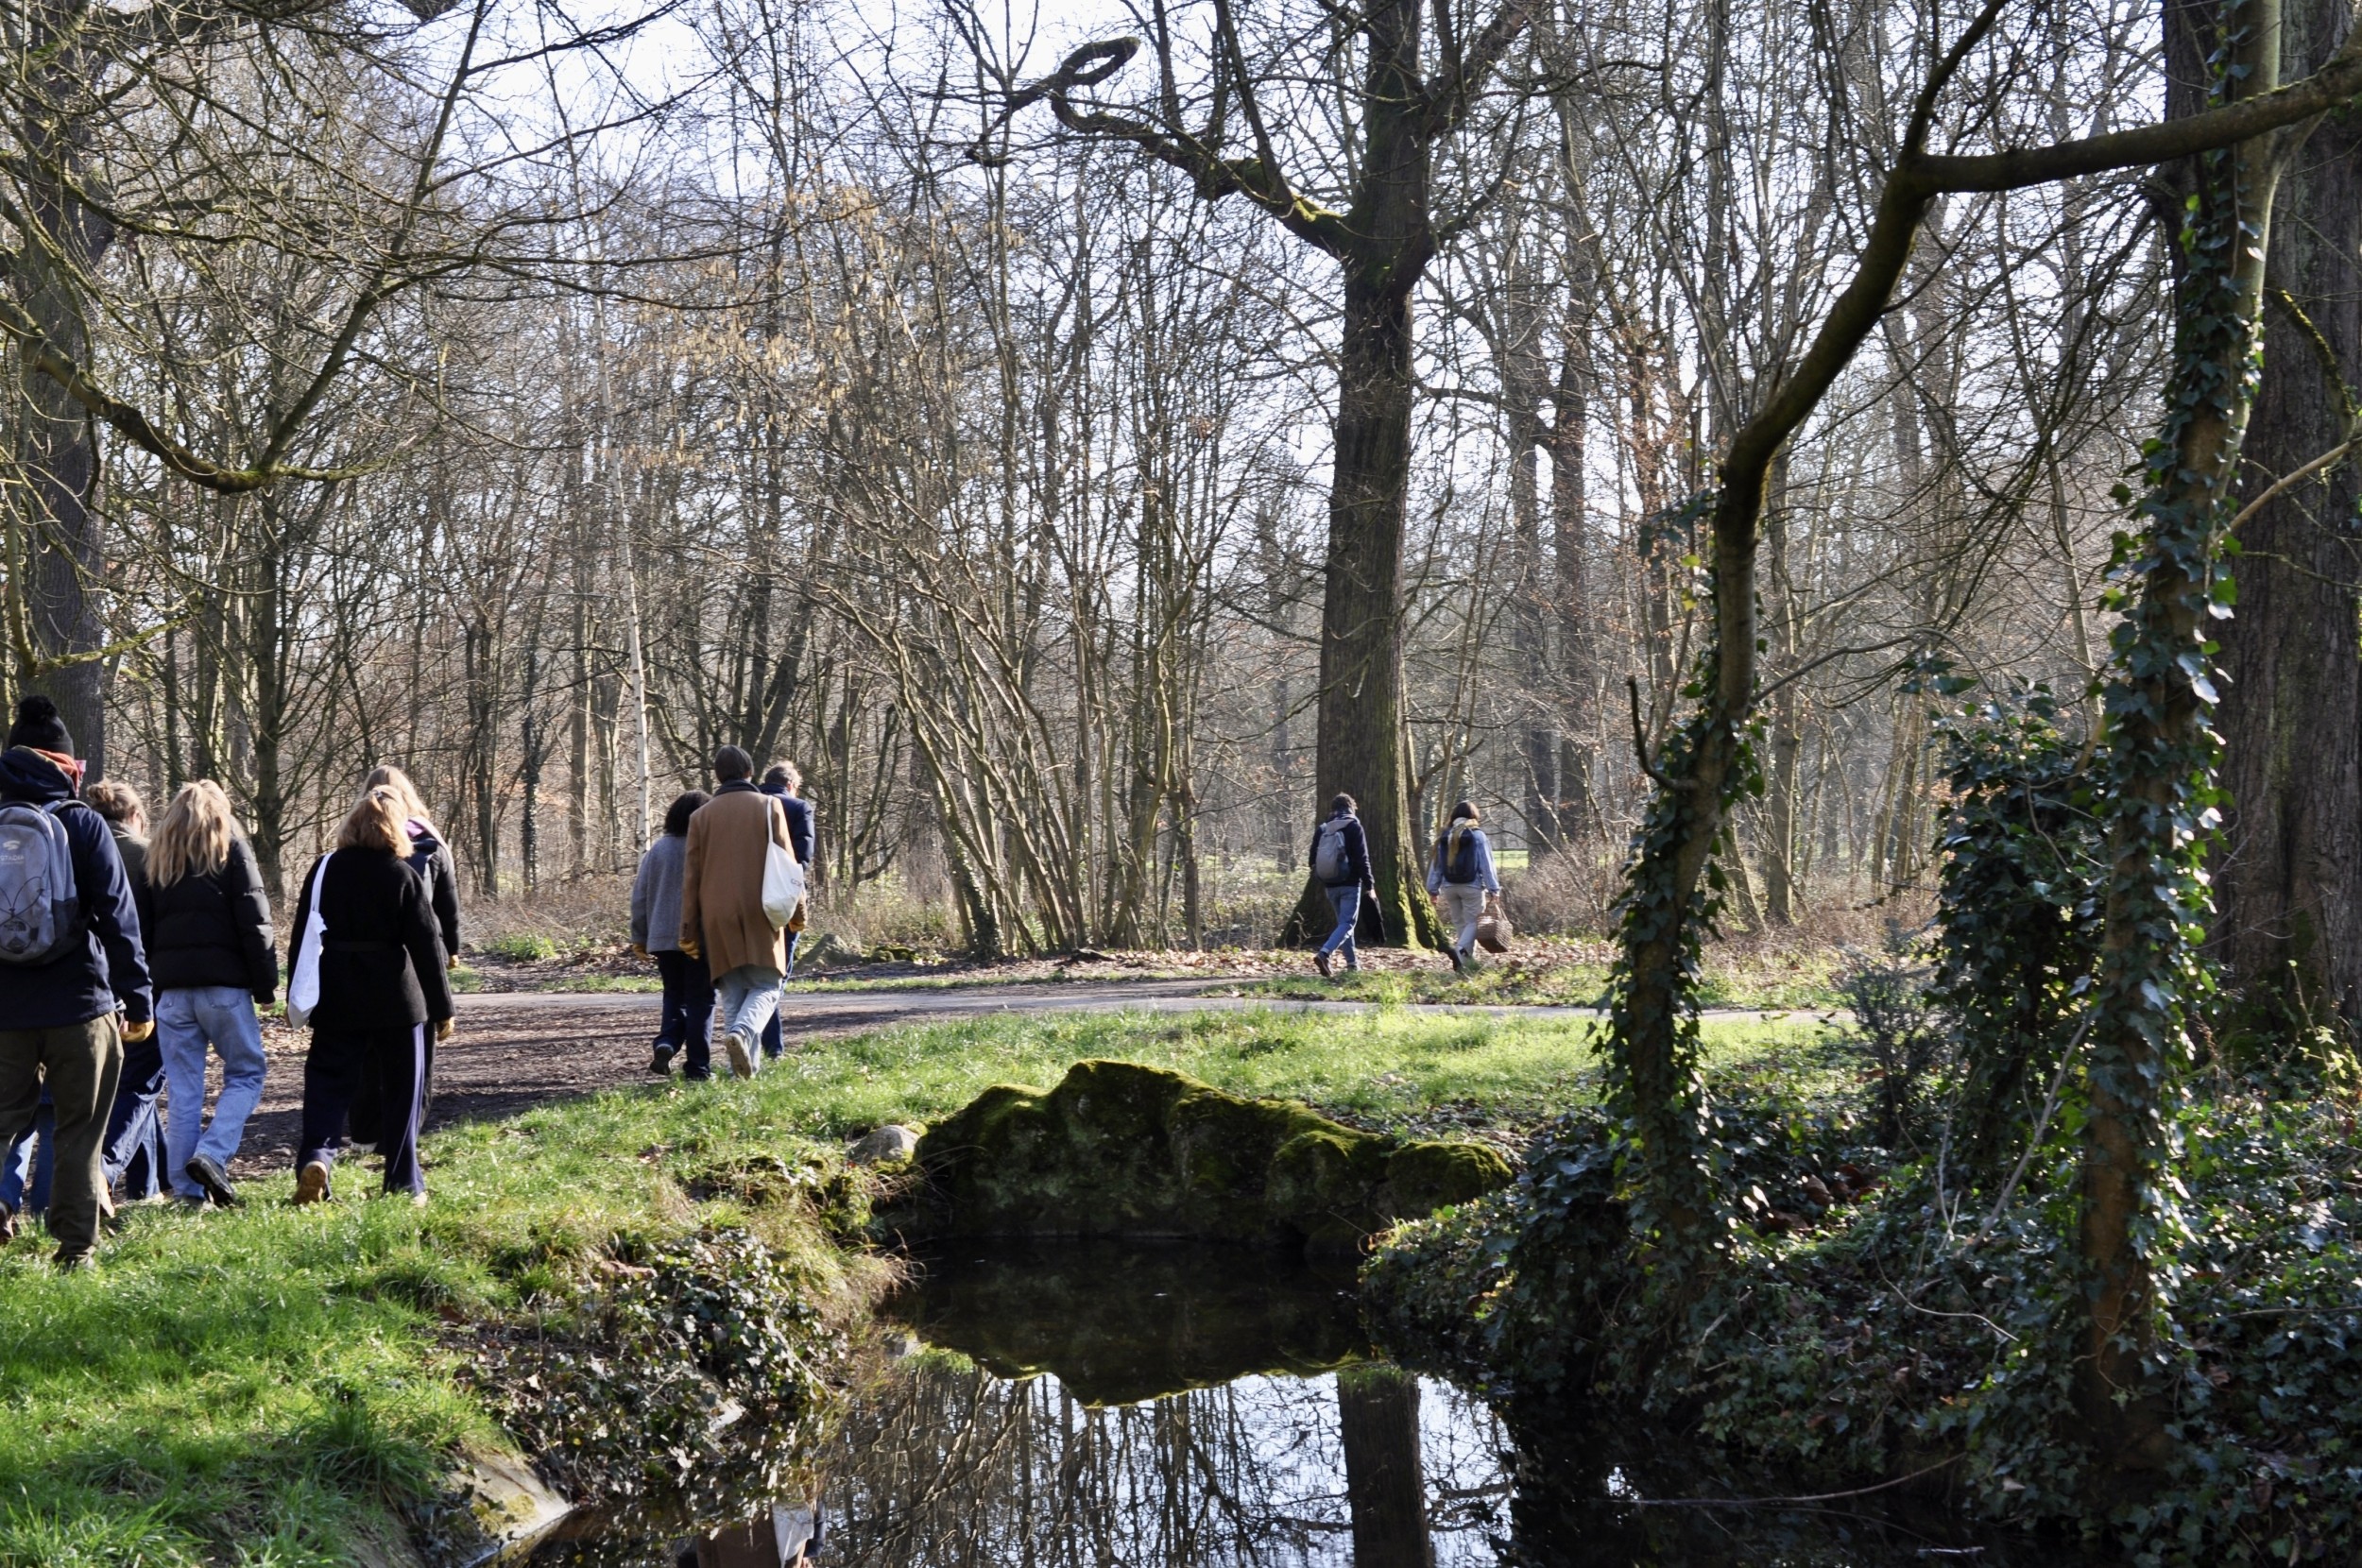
point(1665, 1151)
point(2159, 801)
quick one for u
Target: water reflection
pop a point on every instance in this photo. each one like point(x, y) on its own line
point(951, 1465)
point(1126, 1406)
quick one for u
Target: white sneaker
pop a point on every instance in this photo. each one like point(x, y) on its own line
point(742, 1060)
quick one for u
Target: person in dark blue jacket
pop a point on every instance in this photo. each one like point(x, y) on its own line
point(58, 1017)
point(781, 781)
point(1341, 858)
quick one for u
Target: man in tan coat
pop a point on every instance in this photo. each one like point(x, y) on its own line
point(721, 903)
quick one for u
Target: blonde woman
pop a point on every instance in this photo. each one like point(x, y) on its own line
point(383, 992)
point(211, 956)
point(430, 857)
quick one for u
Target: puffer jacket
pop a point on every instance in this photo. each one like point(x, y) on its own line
point(214, 930)
point(430, 857)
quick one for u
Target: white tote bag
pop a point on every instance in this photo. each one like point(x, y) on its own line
point(304, 983)
point(783, 882)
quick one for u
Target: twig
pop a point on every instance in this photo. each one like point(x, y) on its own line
point(1786, 1502)
point(2042, 1125)
point(2287, 482)
point(1640, 745)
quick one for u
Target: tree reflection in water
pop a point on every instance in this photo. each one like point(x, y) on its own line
point(948, 1466)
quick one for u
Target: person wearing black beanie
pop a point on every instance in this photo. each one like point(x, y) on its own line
point(38, 725)
point(69, 993)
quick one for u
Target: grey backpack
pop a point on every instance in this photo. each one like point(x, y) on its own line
point(38, 900)
point(1328, 858)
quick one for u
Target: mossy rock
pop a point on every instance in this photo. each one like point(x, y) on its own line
point(1118, 1148)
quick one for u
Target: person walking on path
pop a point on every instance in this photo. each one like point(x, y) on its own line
point(1341, 858)
point(721, 918)
point(430, 857)
point(132, 1158)
point(383, 990)
point(655, 929)
point(1460, 880)
point(70, 963)
point(781, 781)
point(214, 959)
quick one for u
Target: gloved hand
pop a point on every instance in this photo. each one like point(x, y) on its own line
point(442, 1028)
point(639, 951)
point(134, 1034)
point(451, 960)
point(690, 946)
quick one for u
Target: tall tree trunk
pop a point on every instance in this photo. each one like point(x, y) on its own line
point(1569, 445)
point(1361, 720)
point(2287, 872)
point(2162, 753)
point(57, 439)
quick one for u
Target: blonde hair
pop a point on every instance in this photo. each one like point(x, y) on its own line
point(117, 803)
point(375, 824)
point(406, 798)
point(194, 837)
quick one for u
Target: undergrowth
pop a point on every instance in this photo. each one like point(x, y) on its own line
point(1899, 1329)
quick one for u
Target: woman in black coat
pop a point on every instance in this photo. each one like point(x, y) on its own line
point(382, 989)
point(430, 857)
point(212, 958)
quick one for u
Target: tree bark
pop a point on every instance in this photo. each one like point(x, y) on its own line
point(57, 438)
point(1358, 728)
point(2162, 755)
point(2288, 868)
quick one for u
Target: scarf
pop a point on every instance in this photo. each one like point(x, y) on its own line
point(72, 767)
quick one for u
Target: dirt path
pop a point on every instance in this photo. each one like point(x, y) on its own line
point(517, 1050)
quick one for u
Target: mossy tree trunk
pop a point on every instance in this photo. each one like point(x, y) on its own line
point(2160, 796)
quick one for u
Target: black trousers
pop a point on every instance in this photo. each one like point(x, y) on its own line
point(687, 1020)
point(388, 1064)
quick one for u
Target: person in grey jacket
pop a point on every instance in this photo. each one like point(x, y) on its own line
point(1461, 879)
point(687, 1020)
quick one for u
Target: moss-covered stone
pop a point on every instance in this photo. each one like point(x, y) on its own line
point(1122, 1150)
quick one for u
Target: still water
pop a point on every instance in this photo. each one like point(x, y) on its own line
point(1128, 1405)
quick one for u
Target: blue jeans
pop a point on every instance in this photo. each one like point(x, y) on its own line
point(131, 1155)
point(773, 1045)
point(687, 1019)
point(1346, 902)
point(750, 998)
point(30, 1165)
point(188, 1020)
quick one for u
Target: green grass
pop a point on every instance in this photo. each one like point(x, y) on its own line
point(1774, 982)
point(520, 946)
point(258, 1386)
point(1384, 1069)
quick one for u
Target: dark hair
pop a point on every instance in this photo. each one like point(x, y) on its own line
point(38, 727)
point(785, 776)
point(684, 806)
point(731, 764)
point(1465, 808)
point(1342, 803)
